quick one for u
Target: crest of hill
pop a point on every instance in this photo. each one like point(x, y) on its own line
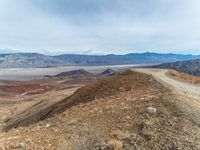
point(75, 73)
point(105, 87)
point(191, 67)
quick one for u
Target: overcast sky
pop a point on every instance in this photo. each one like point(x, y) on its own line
point(100, 26)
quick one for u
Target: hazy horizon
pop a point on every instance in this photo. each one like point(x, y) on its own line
point(100, 26)
point(63, 53)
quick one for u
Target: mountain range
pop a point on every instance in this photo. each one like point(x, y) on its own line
point(36, 60)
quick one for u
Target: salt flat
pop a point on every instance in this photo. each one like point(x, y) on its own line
point(38, 73)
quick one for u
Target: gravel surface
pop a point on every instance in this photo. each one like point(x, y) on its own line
point(188, 94)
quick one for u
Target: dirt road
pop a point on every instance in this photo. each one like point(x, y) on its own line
point(188, 94)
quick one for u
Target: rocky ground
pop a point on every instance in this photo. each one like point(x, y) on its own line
point(130, 111)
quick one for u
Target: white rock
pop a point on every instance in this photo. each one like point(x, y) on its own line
point(151, 110)
point(20, 145)
point(47, 125)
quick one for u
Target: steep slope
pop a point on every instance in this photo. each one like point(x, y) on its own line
point(191, 67)
point(142, 114)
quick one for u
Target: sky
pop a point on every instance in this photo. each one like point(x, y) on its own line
point(100, 26)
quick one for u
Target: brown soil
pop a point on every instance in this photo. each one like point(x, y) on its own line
point(105, 87)
point(111, 114)
point(184, 77)
point(25, 102)
point(20, 88)
point(11, 89)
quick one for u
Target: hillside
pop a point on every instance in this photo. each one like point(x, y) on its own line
point(75, 73)
point(123, 112)
point(28, 60)
point(107, 72)
point(191, 67)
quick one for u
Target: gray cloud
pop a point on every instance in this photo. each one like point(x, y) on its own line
point(101, 26)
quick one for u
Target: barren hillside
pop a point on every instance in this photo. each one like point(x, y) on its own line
point(128, 111)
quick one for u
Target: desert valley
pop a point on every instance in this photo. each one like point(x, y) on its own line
point(125, 107)
point(99, 75)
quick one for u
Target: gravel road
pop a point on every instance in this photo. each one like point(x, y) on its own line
point(187, 94)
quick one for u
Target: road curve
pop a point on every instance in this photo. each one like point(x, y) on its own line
point(182, 88)
point(187, 94)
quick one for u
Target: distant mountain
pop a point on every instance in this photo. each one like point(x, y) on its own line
point(26, 60)
point(132, 58)
point(75, 73)
point(191, 67)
